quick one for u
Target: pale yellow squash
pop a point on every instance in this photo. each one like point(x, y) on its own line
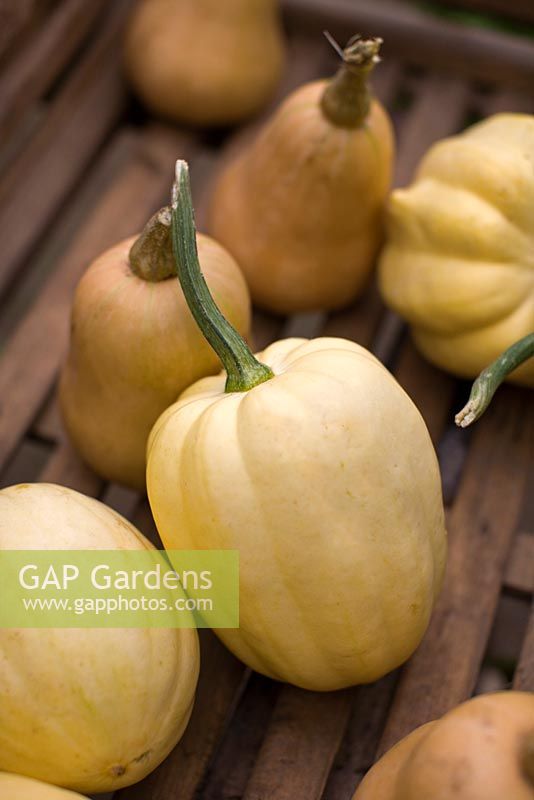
point(481, 750)
point(89, 709)
point(16, 787)
point(459, 259)
point(205, 62)
point(135, 346)
point(317, 467)
point(302, 207)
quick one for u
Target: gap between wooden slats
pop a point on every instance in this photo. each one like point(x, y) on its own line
point(32, 357)
point(524, 674)
point(36, 66)
point(38, 181)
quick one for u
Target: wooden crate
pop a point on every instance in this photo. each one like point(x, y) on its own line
point(83, 167)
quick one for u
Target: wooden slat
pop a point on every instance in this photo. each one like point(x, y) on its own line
point(519, 574)
point(369, 711)
point(36, 66)
point(481, 525)
point(524, 675)
point(15, 18)
point(431, 389)
point(231, 769)
point(222, 680)
point(80, 118)
point(300, 745)
point(517, 9)
point(32, 357)
point(66, 469)
point(419, 37)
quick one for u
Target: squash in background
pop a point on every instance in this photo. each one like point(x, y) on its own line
point(302, 207)
point(481, 750)
point(135, 346)
point(459, 259)
point(205, 62)
point(91, 709)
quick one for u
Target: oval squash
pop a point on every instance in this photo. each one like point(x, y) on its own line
point(459, 259)
point(135, 346)
point(90, 709)
point(16, 787)
point(205, 62)
point(316, 466)
point(481, 750)
point(302, 207)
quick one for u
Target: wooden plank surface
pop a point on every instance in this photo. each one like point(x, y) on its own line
point(481, 526)
point(35, 67)
point(300, 745)
point(80, 118)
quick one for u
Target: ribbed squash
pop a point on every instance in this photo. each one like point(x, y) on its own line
point(205, 62)
point(317, 467)
point(482, 750)
point(90, 709)
point(135, 346)
point(15, 787)
point(302, 207)
point(459, 260)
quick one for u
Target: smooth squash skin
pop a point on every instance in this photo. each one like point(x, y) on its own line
point(459, 258)
point(15, 787)
point(302, 207)
point(318, 468)
point(93, 709)
point(481, 750)
point(134, 347)
point(205, 62)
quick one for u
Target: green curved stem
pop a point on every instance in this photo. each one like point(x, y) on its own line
point(151, 257)
point(244, 371)
point(491, 378)
point(347, 98)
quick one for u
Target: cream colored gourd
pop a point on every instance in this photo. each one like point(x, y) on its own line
point(317, 467)
point(302, 207)
point(92, 709)
point(459, 259)
point(16, 787)
point(205, 62)
point(135, 346)
point(482, 750)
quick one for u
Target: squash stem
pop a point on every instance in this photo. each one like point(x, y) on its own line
point(151, 257)
point(491, 378)
point(243, 370)
point(347, 98)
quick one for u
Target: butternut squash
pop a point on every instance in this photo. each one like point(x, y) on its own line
point(205, 62)
point(135, 346)
point(481, 750)
point(302, 207)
